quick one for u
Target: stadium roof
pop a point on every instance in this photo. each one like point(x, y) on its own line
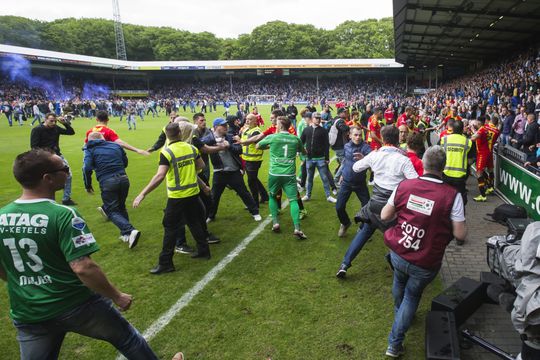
point(83, 60)
point(432, 32)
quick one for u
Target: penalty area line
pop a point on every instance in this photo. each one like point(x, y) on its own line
point(164, 320)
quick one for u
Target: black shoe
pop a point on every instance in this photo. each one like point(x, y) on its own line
point(342, 272)
point(213, 239)
point(161, 269)
point(199, 255)
point(183, 249)
point(69, 202)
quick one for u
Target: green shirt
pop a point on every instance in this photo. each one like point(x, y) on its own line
point(283, 148)
point(38, 239)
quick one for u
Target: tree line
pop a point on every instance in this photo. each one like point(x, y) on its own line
point(370, 38)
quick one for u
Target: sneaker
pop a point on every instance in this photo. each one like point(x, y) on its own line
point(342, 272)
point(213, 239)
point(331, 199)
point(300, 188)
point(334, 191)
point(183, 249)
point(480, 198)
point(303, 214)
point(371, 183)
point(257, 217)
point(300, 234)
point(69, 202)
point(124, 238)
point(103, 213)
point(209, 220)
point(490, 191)
point(343, 230)
point(395, 352)
point(133, 238)
point(306, 198)
point(276, 228)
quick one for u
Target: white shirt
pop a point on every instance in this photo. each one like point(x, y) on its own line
point(390, 166)
point(458, 210)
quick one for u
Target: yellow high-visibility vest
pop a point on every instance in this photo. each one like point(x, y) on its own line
point(182, 174)
point(250, 152)
point(457, 148)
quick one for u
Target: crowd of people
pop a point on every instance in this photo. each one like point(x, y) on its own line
point(414, 152)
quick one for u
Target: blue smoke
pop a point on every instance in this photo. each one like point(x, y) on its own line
point(18, 69)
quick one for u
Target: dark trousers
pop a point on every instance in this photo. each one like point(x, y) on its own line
point(192, 210)
point(114, 192)
point(344, 194)
point(208, 203)
point(255, 186)
point(460, 184)
point(234, 179)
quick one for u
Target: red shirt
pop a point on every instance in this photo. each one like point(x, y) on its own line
point(108, 133)
point(482, 142)
point(260, 120)
point(389, 116)
point(493, 135)
point(273, 129)
point(374, 127)
point(402, 120)
point(417, 162)
point(444, 133)
point(445, 120)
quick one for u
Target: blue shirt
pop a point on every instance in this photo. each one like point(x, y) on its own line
point(348, 174)
point(105, 158)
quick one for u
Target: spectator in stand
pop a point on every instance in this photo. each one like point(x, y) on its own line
point(508, 120)
point(531, 138)
point(518, 127)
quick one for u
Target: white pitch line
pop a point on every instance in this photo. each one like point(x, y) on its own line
point(166, 318)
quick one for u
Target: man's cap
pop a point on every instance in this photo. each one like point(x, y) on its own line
point(307, 115)
point(219, 122)
point(316, 115)
point(340, 110)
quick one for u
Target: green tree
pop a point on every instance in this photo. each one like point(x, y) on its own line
point(20, 31)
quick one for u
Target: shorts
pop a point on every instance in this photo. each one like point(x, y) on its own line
point(483, 162)
point(287, 183)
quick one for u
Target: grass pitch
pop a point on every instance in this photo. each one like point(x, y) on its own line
point(279, 299)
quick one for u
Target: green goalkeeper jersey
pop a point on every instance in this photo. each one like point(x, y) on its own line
point(283, 149)
point(38, 239)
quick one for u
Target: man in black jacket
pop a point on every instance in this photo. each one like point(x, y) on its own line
point(47, 136)
point(227, 165)
point(341, 140)
point(315, 140)
point(530, 138)
point(292, 112)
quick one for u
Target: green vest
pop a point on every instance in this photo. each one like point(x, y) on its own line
point(182, 174)
point(250, 152)
point(456, 147)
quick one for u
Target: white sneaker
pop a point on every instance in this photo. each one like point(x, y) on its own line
point(257, 217)
point(371, 183)
point(331, 199)
point(133, 238)
point(300, 188)
point(124, 238)
point(306, 198)
point(334, 192)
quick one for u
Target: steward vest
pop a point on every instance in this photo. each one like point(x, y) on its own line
point(424, 227)
point(250, 152)
point(456, 147)
point(182, 174)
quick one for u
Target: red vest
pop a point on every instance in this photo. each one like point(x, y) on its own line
point(423, 228)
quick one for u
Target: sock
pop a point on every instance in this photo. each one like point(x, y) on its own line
point(299, 200)
point(482, 185)
point(295, 213)
point(274, 208)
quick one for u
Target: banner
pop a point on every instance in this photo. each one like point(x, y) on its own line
point(518, 185)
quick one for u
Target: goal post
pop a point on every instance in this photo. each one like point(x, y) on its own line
point(261, 99)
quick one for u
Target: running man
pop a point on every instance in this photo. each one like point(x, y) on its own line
point(283, 149)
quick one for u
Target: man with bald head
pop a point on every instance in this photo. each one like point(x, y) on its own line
point(108, 159)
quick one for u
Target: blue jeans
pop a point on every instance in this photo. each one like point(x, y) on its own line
point(114, 192)
point(340, 155)
point(344, 194)
point(96, 318)
point(360, 239)
point(67, 186)
point(407, 288)
point(321, 166)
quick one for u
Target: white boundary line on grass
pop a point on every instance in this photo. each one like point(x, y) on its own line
point(185, 299)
